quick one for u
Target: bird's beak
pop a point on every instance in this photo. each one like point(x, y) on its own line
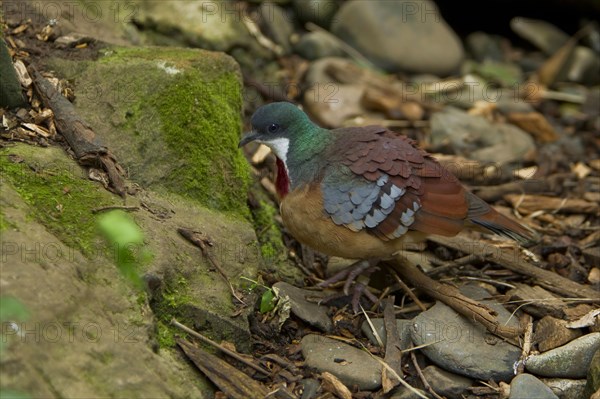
point(248, 137)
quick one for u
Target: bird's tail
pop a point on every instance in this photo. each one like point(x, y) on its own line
point(485, 216)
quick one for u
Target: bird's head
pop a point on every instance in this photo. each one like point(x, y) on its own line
point(276, 125)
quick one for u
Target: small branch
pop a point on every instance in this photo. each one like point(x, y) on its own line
point(511, 259)
point(428, 387)
point(452, 297)
point(113, 207)
point(348, 49)
point(78, 133)
point(200, 240)
point(527, 338)
point(409, 292)
point(223, 349)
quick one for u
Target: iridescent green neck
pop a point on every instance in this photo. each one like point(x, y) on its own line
point(305, 157)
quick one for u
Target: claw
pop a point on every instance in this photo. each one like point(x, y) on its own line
point(357, 273)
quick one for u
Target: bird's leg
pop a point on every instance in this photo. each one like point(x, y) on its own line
point(357, 273)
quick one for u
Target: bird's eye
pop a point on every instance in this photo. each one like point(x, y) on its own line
point(273, 127)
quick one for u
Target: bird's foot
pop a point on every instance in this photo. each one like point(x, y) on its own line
point(357, 273)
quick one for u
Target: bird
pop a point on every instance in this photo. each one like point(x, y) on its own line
point(365, 193)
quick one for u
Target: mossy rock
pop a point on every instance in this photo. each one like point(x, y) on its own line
point(82, 314)
point(171, 116)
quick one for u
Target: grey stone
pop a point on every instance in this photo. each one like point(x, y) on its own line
point(542, 34)
point(314, 45)
point(476, 138)
point(593, 375)
point(400, 35)
point(566, 388)
point(277, 23)
point(320, 12)
point(445, 383)
point(351, 365)
point(527, 386)
point(463, 346)
point(310, 387)
point(310, 312)
point(403, 326)
point(484, 47)
point(568, 361)
point(405, 393)
point(212, 25)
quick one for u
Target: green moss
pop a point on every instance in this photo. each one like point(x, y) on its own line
point(4, 224)
point(173, 298)
point(198, 121)
point(269, 236)
point(180, 110)
point(59, 196)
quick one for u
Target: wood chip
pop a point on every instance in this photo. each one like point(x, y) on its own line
point(581, 170)
point(72, 40)
point(535, 124)
point(22, 74)
point(37, 129)
point(19, 29)
point(532, 203)
point(262, 152)
point(332, 384)
point(526, 173)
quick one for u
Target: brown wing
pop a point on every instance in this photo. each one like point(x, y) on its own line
point(388, 185)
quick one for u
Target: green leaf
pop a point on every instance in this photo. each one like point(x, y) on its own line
point(128, 240)
point(267, 301)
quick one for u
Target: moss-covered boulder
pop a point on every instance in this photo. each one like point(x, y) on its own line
point(87, 333)
point(172, 118)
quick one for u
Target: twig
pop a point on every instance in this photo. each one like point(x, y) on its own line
point(200, 240)
point(485, 280)
point(258, 35)
point(511, 259)
point(113, 207)
point(527, 335)
point(372, 327)
point(428, 387)
point(78, 133)
point(445, 266)
point(409, 292)
point(452, 297)
point(412, 308)
point(223, 349)
point(393, 353)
